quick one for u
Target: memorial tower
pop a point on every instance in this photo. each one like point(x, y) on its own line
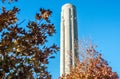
point(69, 35)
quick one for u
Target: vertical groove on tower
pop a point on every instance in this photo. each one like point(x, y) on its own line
point(68, 37)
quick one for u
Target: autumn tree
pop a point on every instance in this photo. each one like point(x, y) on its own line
point(24, 53)
point(90, 64)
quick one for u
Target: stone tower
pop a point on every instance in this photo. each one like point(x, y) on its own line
point(69, 35)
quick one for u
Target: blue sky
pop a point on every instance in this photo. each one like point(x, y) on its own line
point(97, 19)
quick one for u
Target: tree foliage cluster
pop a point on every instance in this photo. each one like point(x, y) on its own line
point(90, 65)
point(24, 53)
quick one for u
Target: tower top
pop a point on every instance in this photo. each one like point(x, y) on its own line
point(68, 5)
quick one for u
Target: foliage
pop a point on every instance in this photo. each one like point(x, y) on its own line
point(9, 1)
point(91, 65)
point(24, 53)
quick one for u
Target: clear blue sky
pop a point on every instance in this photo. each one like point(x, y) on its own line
point(97, 19)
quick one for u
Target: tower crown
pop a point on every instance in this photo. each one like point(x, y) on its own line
point(68, 5)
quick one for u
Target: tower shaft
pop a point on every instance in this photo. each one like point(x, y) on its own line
point(69, 35)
